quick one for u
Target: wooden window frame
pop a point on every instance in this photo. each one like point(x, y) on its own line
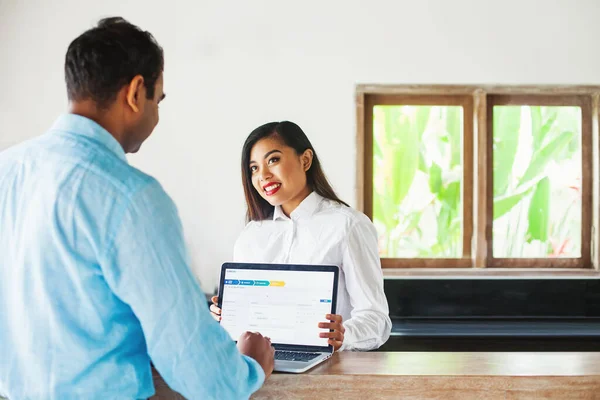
point(477, 189)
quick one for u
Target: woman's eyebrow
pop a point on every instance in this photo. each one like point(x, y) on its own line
point(267, 155)
point(271, 152)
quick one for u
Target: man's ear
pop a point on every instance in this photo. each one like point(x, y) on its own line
point(136, 92)
point(307, 158)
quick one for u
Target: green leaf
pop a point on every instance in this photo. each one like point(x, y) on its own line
point(385, 210)
point(536, 125)
point(542, 157)
point(569, 120)
point(389, 114)
point(377, 149)
point(402, 156)
point(450, 195)
point(413, 221)
point(504, 204)
point(443, 224)
point(539, 212)
point(422, 163)
point(379, 138)
point(422, 119)
point(573, 146)
point(435, 178)
point(540, 136)
point(507, 121)
point(454, 129)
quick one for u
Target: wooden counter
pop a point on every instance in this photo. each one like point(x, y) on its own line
point(398, 375)
point(444, 375)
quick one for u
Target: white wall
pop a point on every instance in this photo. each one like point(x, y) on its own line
point(231, 66)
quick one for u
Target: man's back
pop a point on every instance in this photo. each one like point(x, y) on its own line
point(60, 199)
point(95, 277)
point(95, 280)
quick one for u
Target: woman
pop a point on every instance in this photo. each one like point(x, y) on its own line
point(294, 216)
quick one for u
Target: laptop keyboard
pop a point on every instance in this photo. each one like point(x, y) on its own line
point(294, 355)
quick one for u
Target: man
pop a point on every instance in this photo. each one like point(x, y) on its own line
point(94, 274)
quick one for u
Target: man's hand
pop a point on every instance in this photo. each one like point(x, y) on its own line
point(254, 345)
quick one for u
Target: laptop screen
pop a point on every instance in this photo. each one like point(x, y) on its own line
point(285, 305)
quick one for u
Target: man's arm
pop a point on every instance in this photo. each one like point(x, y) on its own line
point(147, 266)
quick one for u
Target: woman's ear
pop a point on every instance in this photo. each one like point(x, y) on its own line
point(307, 158)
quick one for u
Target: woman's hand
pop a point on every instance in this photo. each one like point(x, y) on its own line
point(215, 311)
point(336, 338)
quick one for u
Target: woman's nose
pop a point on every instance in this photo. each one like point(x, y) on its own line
point(265, 175)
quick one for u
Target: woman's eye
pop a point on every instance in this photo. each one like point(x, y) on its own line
point(253, 168)
point(274, 159)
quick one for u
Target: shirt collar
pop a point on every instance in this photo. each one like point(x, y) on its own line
point(306, 208)
point(82, 126)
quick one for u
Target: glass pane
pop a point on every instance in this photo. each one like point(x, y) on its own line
point(537, 181)
point(417, 180)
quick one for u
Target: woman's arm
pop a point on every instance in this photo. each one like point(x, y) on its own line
point(369, 326)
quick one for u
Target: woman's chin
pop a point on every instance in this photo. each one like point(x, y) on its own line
point(273, 200)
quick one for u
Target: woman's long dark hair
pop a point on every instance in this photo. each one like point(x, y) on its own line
point(292, 135)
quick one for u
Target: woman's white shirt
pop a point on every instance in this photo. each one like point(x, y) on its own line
point(321, 231)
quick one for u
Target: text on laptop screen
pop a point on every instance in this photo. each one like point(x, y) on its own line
point(285, 306)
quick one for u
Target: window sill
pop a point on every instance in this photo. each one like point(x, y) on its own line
point(489, 273)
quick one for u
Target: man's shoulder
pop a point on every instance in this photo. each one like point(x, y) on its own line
point(123, 176)
point(74, 158)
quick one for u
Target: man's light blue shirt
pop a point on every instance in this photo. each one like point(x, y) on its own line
point(95, 280)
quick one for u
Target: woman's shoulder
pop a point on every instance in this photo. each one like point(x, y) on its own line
point(350, 215)
point(245, 240)
point(249, 244)
point(254, 228)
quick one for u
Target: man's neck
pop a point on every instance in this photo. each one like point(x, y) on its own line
point(104, 118)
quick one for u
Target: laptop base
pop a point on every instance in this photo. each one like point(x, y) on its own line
point(297, 367)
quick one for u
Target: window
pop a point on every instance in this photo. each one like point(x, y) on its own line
point(477, 176)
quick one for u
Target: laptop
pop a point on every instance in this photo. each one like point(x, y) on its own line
point(284, 302)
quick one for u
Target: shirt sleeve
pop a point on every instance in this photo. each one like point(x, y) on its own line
point(369, 326)
point(147, 267)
